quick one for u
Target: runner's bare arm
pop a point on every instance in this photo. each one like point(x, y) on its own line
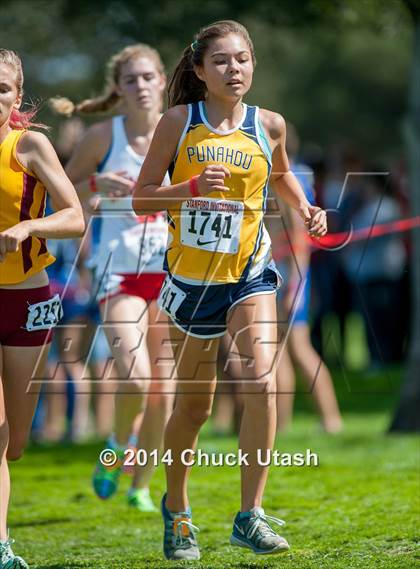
point(37, 154)
point(85, 160)
point(283, 181)
point(298, 262)
point(149, 194)
point(89, 153)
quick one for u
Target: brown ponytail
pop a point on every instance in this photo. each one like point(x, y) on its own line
point(102, 104)
point(184, 86)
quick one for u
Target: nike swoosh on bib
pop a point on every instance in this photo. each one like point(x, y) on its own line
point(206, 242)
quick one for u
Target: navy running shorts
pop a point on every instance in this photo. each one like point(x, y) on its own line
point(201, 310)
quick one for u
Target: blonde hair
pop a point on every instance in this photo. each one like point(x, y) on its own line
point(19, 119)
point(109, 98)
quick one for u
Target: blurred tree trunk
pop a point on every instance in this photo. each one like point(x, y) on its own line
point(407, 414)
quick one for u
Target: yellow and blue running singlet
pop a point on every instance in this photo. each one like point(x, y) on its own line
point(220, 238)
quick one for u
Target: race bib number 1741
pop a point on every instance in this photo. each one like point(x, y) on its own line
point(212, 224)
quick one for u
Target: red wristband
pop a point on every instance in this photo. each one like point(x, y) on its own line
point(92, 184)
point(194, 187)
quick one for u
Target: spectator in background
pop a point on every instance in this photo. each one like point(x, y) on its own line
point(294, 306)
point(336, 177)
point(375, 268)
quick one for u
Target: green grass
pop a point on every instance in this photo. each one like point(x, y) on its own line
point(357, 509)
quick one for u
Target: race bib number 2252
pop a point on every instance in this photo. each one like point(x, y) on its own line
point(44, 315)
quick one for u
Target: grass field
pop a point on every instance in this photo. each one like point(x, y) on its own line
point(357, 509)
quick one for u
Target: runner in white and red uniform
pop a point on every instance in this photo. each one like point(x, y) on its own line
point(127, 259)
point(130, 253)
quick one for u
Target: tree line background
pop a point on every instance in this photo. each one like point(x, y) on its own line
point(337, 69)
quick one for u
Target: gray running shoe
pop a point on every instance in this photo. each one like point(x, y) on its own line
point(8, 560)
point(179, 541)
point(251, 530)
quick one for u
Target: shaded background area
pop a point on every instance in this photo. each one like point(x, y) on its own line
point(337, 69)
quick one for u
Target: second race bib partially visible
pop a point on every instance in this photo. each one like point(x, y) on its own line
point(211, 224)
point(44, 315)
point(144, 246)
point(170, 297)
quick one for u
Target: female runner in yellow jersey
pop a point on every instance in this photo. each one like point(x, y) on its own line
point(222, 154)
point(29, 168)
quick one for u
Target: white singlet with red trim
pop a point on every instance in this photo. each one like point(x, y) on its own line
point(127, 243)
